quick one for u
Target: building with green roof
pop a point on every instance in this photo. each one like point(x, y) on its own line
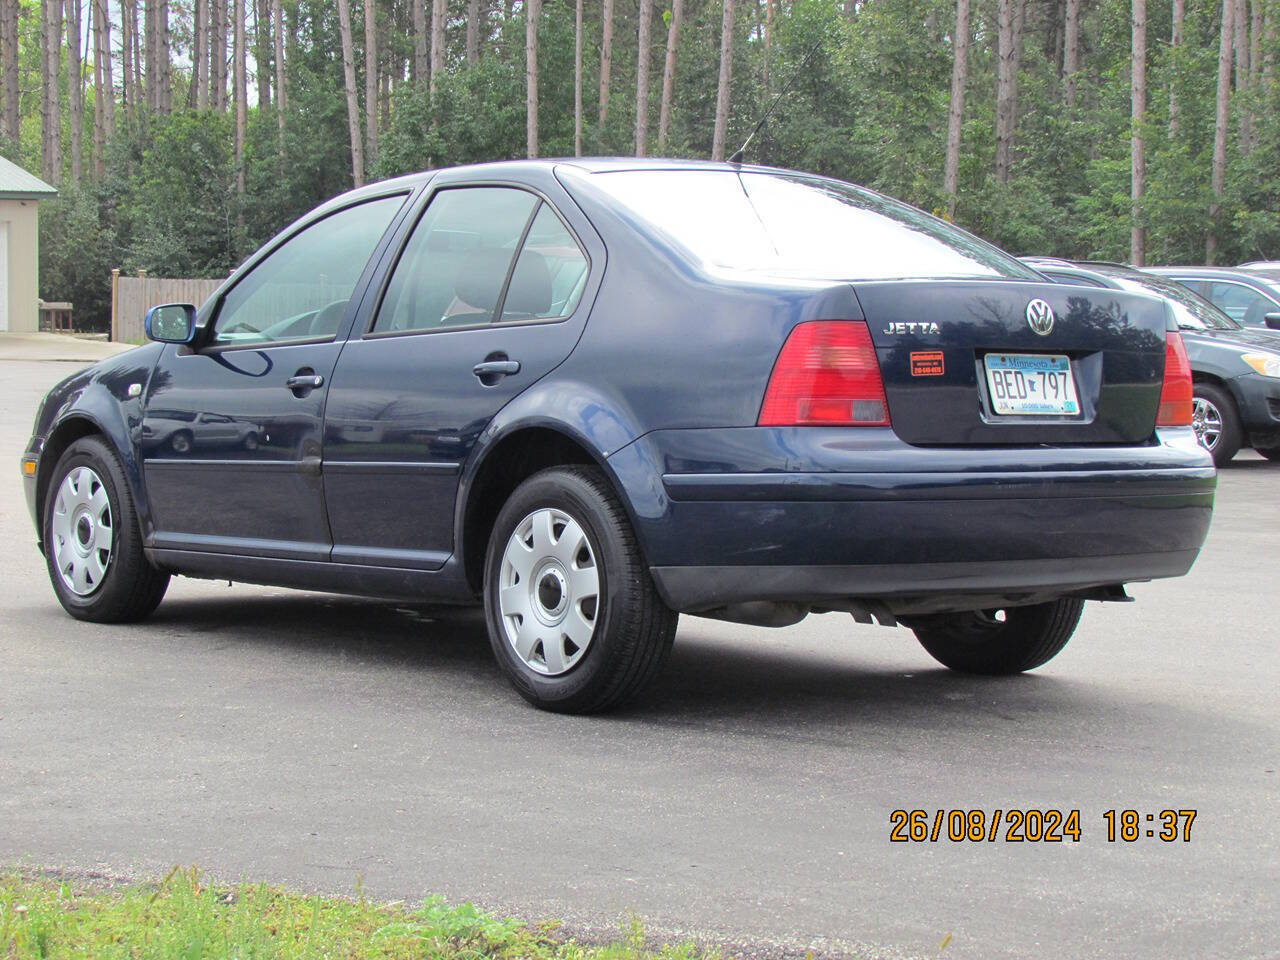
point(20, 196)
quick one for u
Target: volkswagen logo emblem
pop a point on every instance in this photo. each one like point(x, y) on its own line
point(1040, 317)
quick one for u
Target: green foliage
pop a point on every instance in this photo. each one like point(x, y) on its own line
point(186, 918)
point(867, 101)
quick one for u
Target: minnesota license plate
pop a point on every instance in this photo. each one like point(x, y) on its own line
point(1031, 384)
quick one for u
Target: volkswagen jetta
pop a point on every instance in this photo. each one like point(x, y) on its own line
point(591, 395)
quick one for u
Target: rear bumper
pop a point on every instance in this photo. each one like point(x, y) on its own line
point(1258, 399)
point(993, 522)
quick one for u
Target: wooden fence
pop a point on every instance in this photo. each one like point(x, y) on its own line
point(132, 297)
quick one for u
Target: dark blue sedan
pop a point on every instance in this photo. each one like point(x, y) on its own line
point(591, 395)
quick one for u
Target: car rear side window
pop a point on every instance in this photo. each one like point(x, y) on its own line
point(455, 267)
point(550, 272)
point(792, 225)
point(1241, 303)
point(302, 289)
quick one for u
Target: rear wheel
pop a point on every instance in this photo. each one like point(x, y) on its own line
point(1217, 425)
point(574, 618)
point(92, 544)
point(1271, 453)
point(996, 642)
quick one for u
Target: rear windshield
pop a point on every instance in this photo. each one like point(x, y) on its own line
point(807, 227)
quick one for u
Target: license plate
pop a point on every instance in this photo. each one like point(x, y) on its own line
point(1031, 384)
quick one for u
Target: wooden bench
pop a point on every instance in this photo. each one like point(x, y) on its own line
point(55, 316)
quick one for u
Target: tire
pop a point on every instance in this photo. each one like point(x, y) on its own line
point(181, 442)
point(1216, 422)
point(978, 642)
point(88, 504)
point(559, 664)
point(1271, 453)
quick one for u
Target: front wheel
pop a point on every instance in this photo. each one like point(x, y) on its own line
point(574, 618)
point(996, 642)
point(92, 543)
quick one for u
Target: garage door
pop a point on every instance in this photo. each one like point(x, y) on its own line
point(4, 276)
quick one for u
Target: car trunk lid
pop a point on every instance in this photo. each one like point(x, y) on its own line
point(936, 342)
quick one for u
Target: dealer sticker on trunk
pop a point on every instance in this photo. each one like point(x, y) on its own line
point(1031, 384)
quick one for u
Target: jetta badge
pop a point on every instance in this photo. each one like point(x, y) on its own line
point(1040, 317)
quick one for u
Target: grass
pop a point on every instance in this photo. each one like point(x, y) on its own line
point(183, 918)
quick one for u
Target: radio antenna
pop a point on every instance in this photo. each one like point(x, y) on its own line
point(738, 154)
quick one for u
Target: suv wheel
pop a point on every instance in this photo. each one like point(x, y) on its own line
point(996, 642)
point(1217, 425)
point(92, 544)
point(574, 617)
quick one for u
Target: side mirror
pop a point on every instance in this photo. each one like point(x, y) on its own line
point(172, 323)
point(1273, 321)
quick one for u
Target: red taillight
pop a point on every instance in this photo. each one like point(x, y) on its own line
point(827, 374)
point(1175, 394)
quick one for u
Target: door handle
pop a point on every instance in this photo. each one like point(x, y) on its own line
point(496, 368)
point(308, 381)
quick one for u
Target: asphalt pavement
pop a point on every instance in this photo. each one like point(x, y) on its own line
point(316, 740)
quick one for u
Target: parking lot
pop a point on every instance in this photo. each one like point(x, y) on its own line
point(318, 740)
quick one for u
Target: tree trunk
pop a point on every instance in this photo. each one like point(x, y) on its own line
point(642, 78)
point(51, 155)
point(473, 30)
point(768, 45)
point(726, 77)
point(282, 89)
point(353, 100)
point(370, 81)
point(439, 13)
point(1175, 55)
point(151, 83)
point(12, 103)
point(1071, 49)
point(577, 76)
point(669, 74)
point(1256, 31)
point(99, 88)
point(533, 11)
point(421, 65)
point(1272, 42)
point(75, 91)
point(164, 96)
point(128, 58)
point(1137, 158)
point(1240, 32)
point(262, 51)
point(1006, 88)
point(606, 61)
point(218, 54)
point(239, 54)
point(1219, 174)
point(955, 116)
point(198, 93)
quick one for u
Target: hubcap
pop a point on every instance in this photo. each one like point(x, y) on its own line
point(82, 531)
point(1206, 420)
point(549, 591)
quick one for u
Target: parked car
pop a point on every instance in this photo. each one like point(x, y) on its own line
point(1249, 296)
point(1236, 369)
point(594, 394)
point(1261, 265)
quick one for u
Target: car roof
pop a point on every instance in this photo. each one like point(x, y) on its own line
point(1205, 272)
point(1056, 265)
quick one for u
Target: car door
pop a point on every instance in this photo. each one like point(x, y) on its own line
point(260, 369)
point(1242, 303)
point(486, 295)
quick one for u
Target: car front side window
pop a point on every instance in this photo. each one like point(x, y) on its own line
point(300, 292)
